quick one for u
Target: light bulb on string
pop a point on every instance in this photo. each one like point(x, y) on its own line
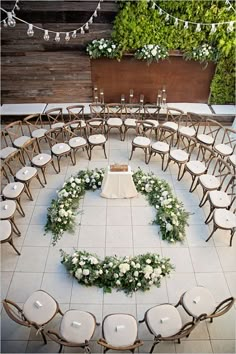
point(30, 31)
point(95, 14)
point(10, 20)
point(230, 27)
point(153, 5)
point(213, 28)
point(46, 35)
point(160, 11)
point(17, 7)
point(176, 22)
point(99, 7)
point(186, 25)
point(90, 20)
point(86, 26)
point(4, 23)
point(198, 28)
point(73, 34)
point(57, 37)
point(167, 17)
point(82, 30)
point(13, 13)
point(67, 37)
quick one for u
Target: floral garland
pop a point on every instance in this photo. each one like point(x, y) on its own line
point(102, 48)
point(170, 213)
point(127, 274)
point(203, 54)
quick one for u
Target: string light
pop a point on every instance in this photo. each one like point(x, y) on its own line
point(198, 28)
point(186, 25)
point(46, 35)
point(30, 31)
point(11, 18)
point(176, 22)
point(167, 17)
point(230, 27)
point(213, 28)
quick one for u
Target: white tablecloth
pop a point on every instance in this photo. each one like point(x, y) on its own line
point(118, 184)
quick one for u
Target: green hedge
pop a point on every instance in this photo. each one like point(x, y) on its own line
point(137, 24)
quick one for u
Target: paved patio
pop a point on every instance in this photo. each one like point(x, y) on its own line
point(121, 227)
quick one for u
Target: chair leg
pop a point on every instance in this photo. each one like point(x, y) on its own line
point(44, 337)
point(204, 198)
point(191, 189)
point(58, 164)
point(43, 173)
point(12, 244)
point(27, 191)
point(20, 209)
point(15, 228)
point(208, 219)
point(146, 155)
point(179, 173)
point(71, 158)
point(38, 178)
point(53, 165)
point(168, 161)
point(231, 237)
point(104, 149)
point(153, 346)
point(133, 148)
point(60, 349)
point(214, 230)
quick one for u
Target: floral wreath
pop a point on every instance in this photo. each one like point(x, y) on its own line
point(128, 274)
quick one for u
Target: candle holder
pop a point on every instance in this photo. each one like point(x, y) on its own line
point(131, 95)
point(95, 94)
point(159, 98)
point(122, 99)
point(141, 99)
point(102, 96)
point(164, 96)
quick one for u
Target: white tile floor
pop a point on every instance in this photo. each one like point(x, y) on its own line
point(119, 227)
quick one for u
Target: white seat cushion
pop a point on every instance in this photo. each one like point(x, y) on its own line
point(75, 125)
point(209, 181)
point(77, 141)
point(39, 307)
point(196, 167)
point(77, 326)
point(142, 140)
point(60, 148)
point(7, 151)
point(26, 173)
point(179, 155)
point(41, 159)
point(117, 122)
point(96, 123)
point(8, 208)
point(225, 218)
point(205, 139)
point(223, 149)
point(5, 229)
point(58, 125)
point(19, 142)
point(199, 300)
point(153, 121)
point(164, 320)
point(171, 125)
point(39, 133)
point(219, 199)
point(13, 190)
point(160, 146)
point(232, 159)
point(120, 330)
point(187, 131)
point(97, 139)
point(129, 122)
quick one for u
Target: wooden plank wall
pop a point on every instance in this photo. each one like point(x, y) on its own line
point(37, 71)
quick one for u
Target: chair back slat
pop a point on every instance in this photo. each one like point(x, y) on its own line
point(54, 115)
point(75, 112)
point(97, 110)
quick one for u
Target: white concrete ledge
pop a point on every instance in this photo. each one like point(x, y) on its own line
point(22, 109)
point(224, 109)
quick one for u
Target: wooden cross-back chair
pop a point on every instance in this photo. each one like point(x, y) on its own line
point(134, 113)
point(165, 324)
point(227, 145)
point(97, 110)
point(32, 152)
point(75, 137)
point(55, 117)
point(8, 208)
point(6, 146)
point(217, 172)
point(59, 148)
point(38, 310)
point(189, 124)
point(35, 126)
point(76, 113)
point(198, 163)
point(115, 114)
point(173, 118)
point(151, 114)
point(6, 235)
point(143, 138)
point(96, 135)
point(16, 134)
point(209, 133)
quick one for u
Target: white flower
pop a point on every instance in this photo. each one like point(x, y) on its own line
point(148, 269)
point(113, 46)
point(117, 282)
point(154, 52)
point(93, 260)
point(74, 260)
point(169, 227)
point(150, 282)
point(73, 185)
point(157, 271)
point(78, 273)
point(87, 180)
point(94, 186)
point(148, 261)
point(109, 50)
point(110, 264)
point(71, 179)
point(100, 47)
point(138, 265)
point(165, 194)
point(116, 276)
point(59, 219)
point(81, 263)
point(138, 284)
point(100, 271)
point(86, 272)
point(136, 274)
point(124, 267)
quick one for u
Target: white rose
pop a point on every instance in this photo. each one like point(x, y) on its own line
point(109, 50)
point(138, 284)
point(150, 282)
point(169, 227)
point(136, 273)
point(110, 264)
point(154, 52)
point(81, 263)
point(100, 47)
point(117, 282)
point(138, 265)
point(124, 267)
point(148, 261)
point(78, 273)
point(86, 272)
point(73, 185)
point(74, 260)
point(87, 180)
point(100, 271)
point(116, 276)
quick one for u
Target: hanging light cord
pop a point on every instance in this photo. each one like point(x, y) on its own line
point(15, 7)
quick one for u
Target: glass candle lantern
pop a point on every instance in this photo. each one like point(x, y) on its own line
point(159, 95)
point(122, 99)
point(131, 95)
point(102, 96)
point(141, 99)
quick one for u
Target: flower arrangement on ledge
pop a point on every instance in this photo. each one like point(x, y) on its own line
point(151, 52)
point(103, 48)
point(203, 54)
point(127, 274)
point(170, 213)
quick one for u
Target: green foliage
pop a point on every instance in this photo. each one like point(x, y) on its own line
point(137, 25)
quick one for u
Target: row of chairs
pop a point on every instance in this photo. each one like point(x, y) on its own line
point(119, 330)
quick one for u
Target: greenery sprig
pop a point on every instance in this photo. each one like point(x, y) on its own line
point(170, 213)
point(127, 274)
